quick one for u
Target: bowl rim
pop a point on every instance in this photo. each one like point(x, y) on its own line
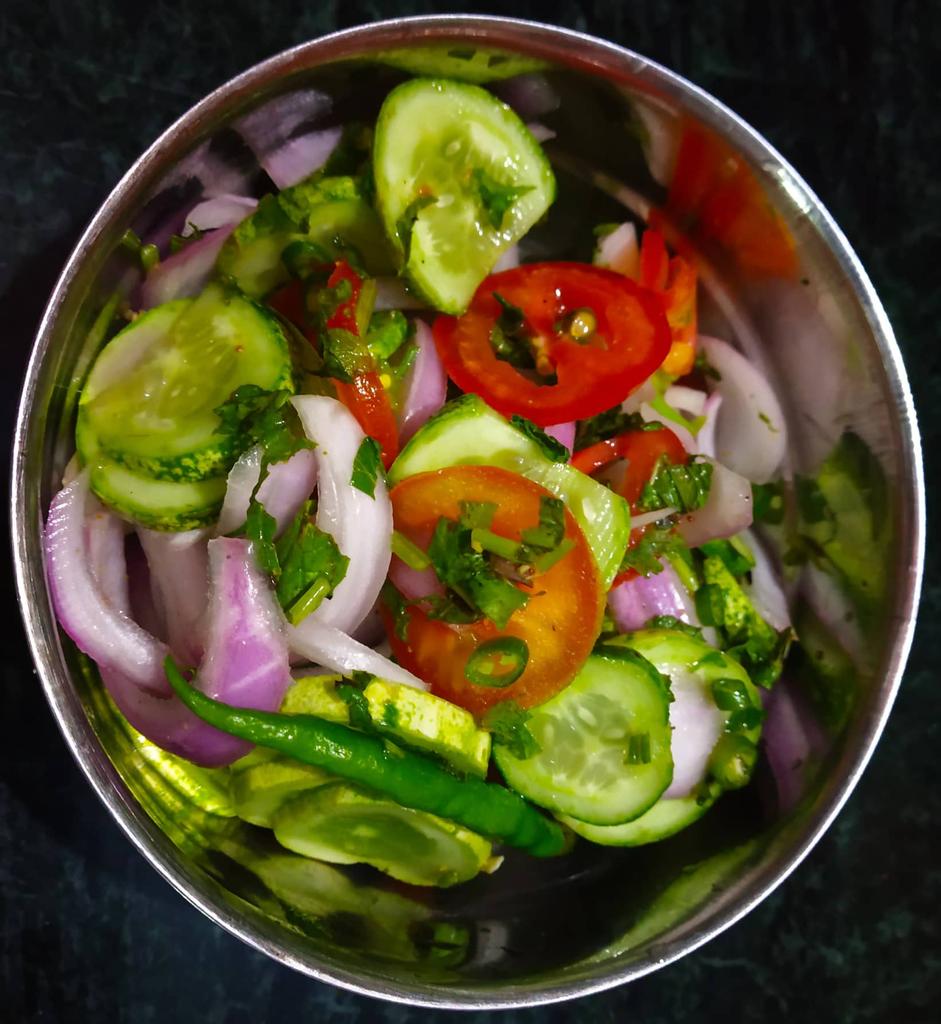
point(579, 50)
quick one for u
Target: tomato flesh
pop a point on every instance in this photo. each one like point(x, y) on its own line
point(630, 341)
point(559, 623)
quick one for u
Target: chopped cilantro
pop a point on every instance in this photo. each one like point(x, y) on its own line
point(733, 553)
point(367, 466)
point(768, 502)
point(405, 223)
point(260, 529)
point(387, 332)
point(702, 364)
point(609, 424)
point(256, 416)
point(477, 514)
point(657, 541)
point(398, 608)
point(311, 566)
point(355, 700)
point(550, 532)
point(506, 721)
point(496, 198)
point(683, 488)
point(672, 622)
point(409, 552)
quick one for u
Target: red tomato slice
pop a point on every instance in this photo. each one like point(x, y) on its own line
point(368, 401)
point(558, 625)
point(674, 280)
point(631, 340)
point(640, 449)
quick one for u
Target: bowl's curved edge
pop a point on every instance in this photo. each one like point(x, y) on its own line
point(576, 49)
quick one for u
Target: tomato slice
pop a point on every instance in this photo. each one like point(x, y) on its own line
point(364, 395)
point(640, 450)
point(630, 340)
point(674, 280)
point(559, 623)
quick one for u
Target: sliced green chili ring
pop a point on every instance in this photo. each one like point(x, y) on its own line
point(730, 695)
point(497, 663)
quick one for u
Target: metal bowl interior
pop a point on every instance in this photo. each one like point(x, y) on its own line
point(535, 931)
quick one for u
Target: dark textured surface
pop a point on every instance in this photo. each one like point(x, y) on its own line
point(87, 930)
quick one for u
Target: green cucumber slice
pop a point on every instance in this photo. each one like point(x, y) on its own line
point(605, 742)
point(261, 790)
point(342, 824)
point(459, 179)
point(150, 396)
point(664, 819)
point(413, 717)
point(468, 431)
point(157, 504)
point(464, 63)
point(333, 213)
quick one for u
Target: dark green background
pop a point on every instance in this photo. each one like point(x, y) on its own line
point(87, 930)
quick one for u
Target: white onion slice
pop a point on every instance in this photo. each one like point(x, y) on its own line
point(619, 251)
point(333, 649)
point(427, 385)
point(185, 273)
point(564, 433)
point(727, 511)
point(529, 94)
point(650, 415)
point(414, 584)
point(179, 578)
point(509, 259)
point(240, 485)
point(287, 486)
point(393, 293)
point(697, 726)
point(99, 628)
point(270, 125)
point(361, 525)
point(689, 401)
point(706, 438)
point(751, 434)
point(218, 212)
point(299, 157)
point(540, 132)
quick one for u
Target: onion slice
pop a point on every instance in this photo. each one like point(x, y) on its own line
point(219, 212)
point(618, 250)
point(361, 525)
point(287, 486)
point(564, 433)
point(240, 485)
point(765, 590)
point(727, 511)
point(301, 156)
point(331, 648)
point(697, 726)
point(179, 578)
point(751, 434)
point(100, 628)
point(427, 385)
point(185, 273)
point(636, 601)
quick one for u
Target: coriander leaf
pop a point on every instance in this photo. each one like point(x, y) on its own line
point(507, 722)
point(367, 466)
point(683, 488)
point(253, 416)
point(342, 354)
point(260, 529)
point(308, 558)
point(550, 532)
point(608, 424)
point(358, 706)
point(672, 622)
point(387, 332)
point(305, 259)
point(398, 608)
point(553, 450)
point(468, 573)
point(657, 541)
point(495, 197)
point(449, 608)
point(477, 514)
point(702, 364)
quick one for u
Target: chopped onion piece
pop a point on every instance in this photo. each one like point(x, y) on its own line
point(765, 589)
point(185, 273)
point(636, 601)
point(287, 486)
point(706, 438)
point(333, 649)
point(427, 385)
point(240, 485)
point(697, 726)
point(361, 525)
point(218, 212)
point(393, 293)
point(727, 511)
point(618, 250)
point(564, 433)
point(509, 260)
point(751, 434)
point(301, 156)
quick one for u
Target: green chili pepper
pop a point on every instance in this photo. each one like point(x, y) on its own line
point(732, 761)
point(498, 662)
point(411, 779)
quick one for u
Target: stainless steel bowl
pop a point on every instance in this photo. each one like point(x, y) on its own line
point(535, 932)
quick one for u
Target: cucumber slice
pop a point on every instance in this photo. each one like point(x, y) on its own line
point(158, 504)
point(330, 212)
point(468, 431)
point(417, 719)
point(465, 63)
point(150, 397)
point(342, 824)
point(664, 819)
point(605, 742)
point(459, 179)
point(261, 790)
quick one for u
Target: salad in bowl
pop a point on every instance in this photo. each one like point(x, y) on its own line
point(437, 542)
